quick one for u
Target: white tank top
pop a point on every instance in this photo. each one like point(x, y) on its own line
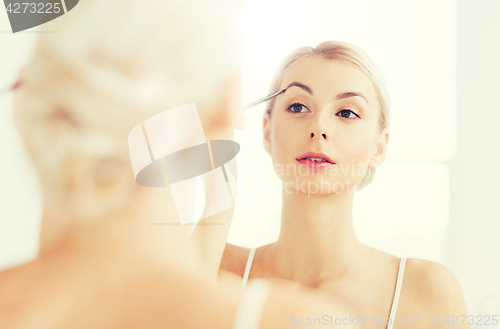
point(394, 300)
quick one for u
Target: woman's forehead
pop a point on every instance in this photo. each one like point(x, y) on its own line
point(329, 76)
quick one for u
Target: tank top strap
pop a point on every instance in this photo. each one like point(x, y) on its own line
point(251, 305)
point(395, 300)
point(248, 267)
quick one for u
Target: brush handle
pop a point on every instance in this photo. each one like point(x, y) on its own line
point(246, 107)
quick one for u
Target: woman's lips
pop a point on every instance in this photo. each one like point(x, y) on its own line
point(315, 164)
point(309, 159)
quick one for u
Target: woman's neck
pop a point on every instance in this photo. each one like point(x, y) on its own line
point(317, 241)
point(138, 224)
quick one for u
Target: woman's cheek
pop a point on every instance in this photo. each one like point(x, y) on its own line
point(284, 149)
point(353, 150)
point(282, 142)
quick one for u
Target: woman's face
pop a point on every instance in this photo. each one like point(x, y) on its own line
point(330, 112)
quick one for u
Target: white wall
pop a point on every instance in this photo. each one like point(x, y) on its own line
point(474, 235)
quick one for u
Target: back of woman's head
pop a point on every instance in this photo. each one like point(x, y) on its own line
point(108, 66)
point(347, 53)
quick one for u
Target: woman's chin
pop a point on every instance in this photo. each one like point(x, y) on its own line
point(320, 184)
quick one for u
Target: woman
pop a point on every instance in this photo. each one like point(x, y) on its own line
point(109, 66)
point(326, 135)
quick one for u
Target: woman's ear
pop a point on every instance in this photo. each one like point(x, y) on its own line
point(98, 187)
point(380, 149)
point(267, 132)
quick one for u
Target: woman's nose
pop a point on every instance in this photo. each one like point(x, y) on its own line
point(322, 135)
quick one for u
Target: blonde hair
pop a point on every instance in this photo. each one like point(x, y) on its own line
point(110, 65)
point(348, 53)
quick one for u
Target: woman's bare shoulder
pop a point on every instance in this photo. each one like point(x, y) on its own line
point(432, 288)
point(234, 259)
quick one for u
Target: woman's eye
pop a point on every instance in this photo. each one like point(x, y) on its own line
point(297, 108)
point(348, 114)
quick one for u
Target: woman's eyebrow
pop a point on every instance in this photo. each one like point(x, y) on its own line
point(300, 85)
point(340, 96)
point(352, 94)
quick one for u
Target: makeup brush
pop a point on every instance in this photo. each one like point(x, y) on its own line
point(5, 89)
point(12, 87)
point(246, 107)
